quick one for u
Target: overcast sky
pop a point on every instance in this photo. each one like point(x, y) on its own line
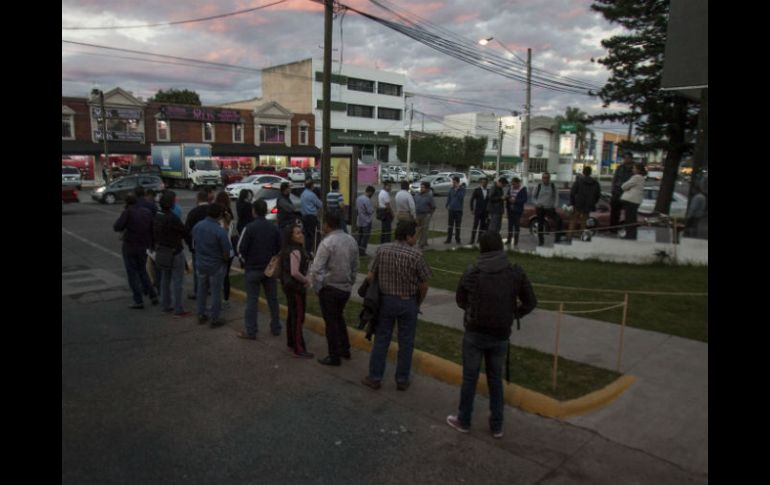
point(563, 34)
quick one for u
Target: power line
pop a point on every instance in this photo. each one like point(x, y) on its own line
point(165, 24)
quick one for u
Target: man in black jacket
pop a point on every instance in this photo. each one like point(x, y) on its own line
point(259, 242)
point(169, 233)
point(488, 292)
point(583, 197)
point(479, 201)
point(136, 225)
point(496, 205)
point(197, 214)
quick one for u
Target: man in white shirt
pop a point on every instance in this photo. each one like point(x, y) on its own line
point(405, 208)
point(385, 212)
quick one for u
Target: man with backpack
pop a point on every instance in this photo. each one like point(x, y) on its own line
point(488, 292)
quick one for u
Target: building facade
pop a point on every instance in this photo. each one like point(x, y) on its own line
point(478, 124)
point(266, 134)
point(367, 105)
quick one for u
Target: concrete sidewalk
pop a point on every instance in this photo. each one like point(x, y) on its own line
point(664, 413)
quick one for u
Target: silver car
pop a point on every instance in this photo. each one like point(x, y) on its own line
point(678, 208)
point(439, 184)
point(70, 176)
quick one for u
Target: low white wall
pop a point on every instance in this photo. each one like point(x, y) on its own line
point(643, 250)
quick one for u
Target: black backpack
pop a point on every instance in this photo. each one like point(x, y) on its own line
point(498, 309)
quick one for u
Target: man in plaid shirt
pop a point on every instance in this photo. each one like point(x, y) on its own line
point(402, 275)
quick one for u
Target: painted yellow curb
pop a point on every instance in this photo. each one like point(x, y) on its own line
point(452, 373)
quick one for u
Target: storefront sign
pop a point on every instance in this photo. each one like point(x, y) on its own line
point(361, 138)
point(193, 113)
point(120, 136)
point(120, 113)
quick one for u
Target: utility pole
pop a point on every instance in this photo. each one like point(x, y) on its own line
point(104, 137)
point(499, 144)
point(327, 91)
point(525, 169)
point(409, 144)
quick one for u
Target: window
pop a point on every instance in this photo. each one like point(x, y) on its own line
point(67, 127)
point(538, 165)
point(162, 129)
point(208, 132)
point(390, 89)
point(360, 85)
point(303, 135)
point(272, 134)
point(360, 111)
point(388, 114)
point(238, 133)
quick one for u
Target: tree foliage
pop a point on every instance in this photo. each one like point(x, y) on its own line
point(663, 120)
point(436, 149)
point(177, 96)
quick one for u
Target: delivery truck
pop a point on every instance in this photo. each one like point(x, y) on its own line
point(186, 165)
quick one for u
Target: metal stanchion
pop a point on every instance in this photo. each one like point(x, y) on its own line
point(622, 331)
point(556, 352)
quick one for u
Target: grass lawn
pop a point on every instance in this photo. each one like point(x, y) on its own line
point(684, 316)
point(529, 368)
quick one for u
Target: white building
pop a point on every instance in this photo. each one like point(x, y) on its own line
point(367, 105)
point(487, 124)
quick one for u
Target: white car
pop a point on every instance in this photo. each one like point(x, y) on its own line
point(678, 208)
point(463, 178)
point(70, 176)
point(295, 174)
point(253, 183)
point(477, 175)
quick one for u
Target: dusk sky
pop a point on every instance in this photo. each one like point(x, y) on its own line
point(563, 34)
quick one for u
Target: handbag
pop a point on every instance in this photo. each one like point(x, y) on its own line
point(164, 257)
point(273, 267)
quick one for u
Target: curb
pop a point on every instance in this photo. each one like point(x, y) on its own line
point(452, 373)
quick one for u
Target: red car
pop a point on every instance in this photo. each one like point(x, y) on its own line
point(230, 176)
point(264, 170)
point(69, 193)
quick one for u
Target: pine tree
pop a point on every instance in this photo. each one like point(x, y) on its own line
point(665, 120)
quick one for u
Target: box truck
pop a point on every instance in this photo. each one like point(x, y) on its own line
point(186, 165)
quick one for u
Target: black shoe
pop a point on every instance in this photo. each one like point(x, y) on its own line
point(191, 297)
point(275, 332)
point(346, 355)
point(329, 360)
point(217, 323)
point(154, 300)
point(371, 383)
point(402, 386)
point(136, 306)
point(202, 319)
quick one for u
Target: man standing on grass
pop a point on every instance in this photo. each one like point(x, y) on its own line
point(402, 275)
point(488, 292)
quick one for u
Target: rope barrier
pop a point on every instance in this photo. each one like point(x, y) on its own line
point(578, 312)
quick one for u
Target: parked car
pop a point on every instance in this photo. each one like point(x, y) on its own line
point(294, 174)
point(230, 176)
point(118, 189)
point(269, 193)
point(654, 175)
point(144, 168)
point(266, 170)
point(439, 184)
point(460, 175)
point(476, 175)
point(393, 174)
point(69, 194)
point(509, 174)
point(678, 208)
point(70, 176)
point(253, 183)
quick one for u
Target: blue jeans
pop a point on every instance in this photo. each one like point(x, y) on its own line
point(255, 278)
point(138, 279)
point(392, 309)
point(172, 276)
point(213, 279)
point(493, 349)
point(363, 238)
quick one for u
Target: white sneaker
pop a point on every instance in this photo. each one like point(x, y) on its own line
point(452, 421)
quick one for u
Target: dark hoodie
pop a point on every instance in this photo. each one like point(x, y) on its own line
point(585, 194)
point(488, 291)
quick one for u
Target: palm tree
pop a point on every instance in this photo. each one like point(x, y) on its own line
point(581, 121)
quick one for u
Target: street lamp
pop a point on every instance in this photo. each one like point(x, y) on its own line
point(104, 134)
point(528, 106)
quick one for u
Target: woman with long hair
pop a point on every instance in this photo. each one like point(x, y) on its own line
point(633, 193)
point(243, 210)
point(295, 262)
point(226, 221)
